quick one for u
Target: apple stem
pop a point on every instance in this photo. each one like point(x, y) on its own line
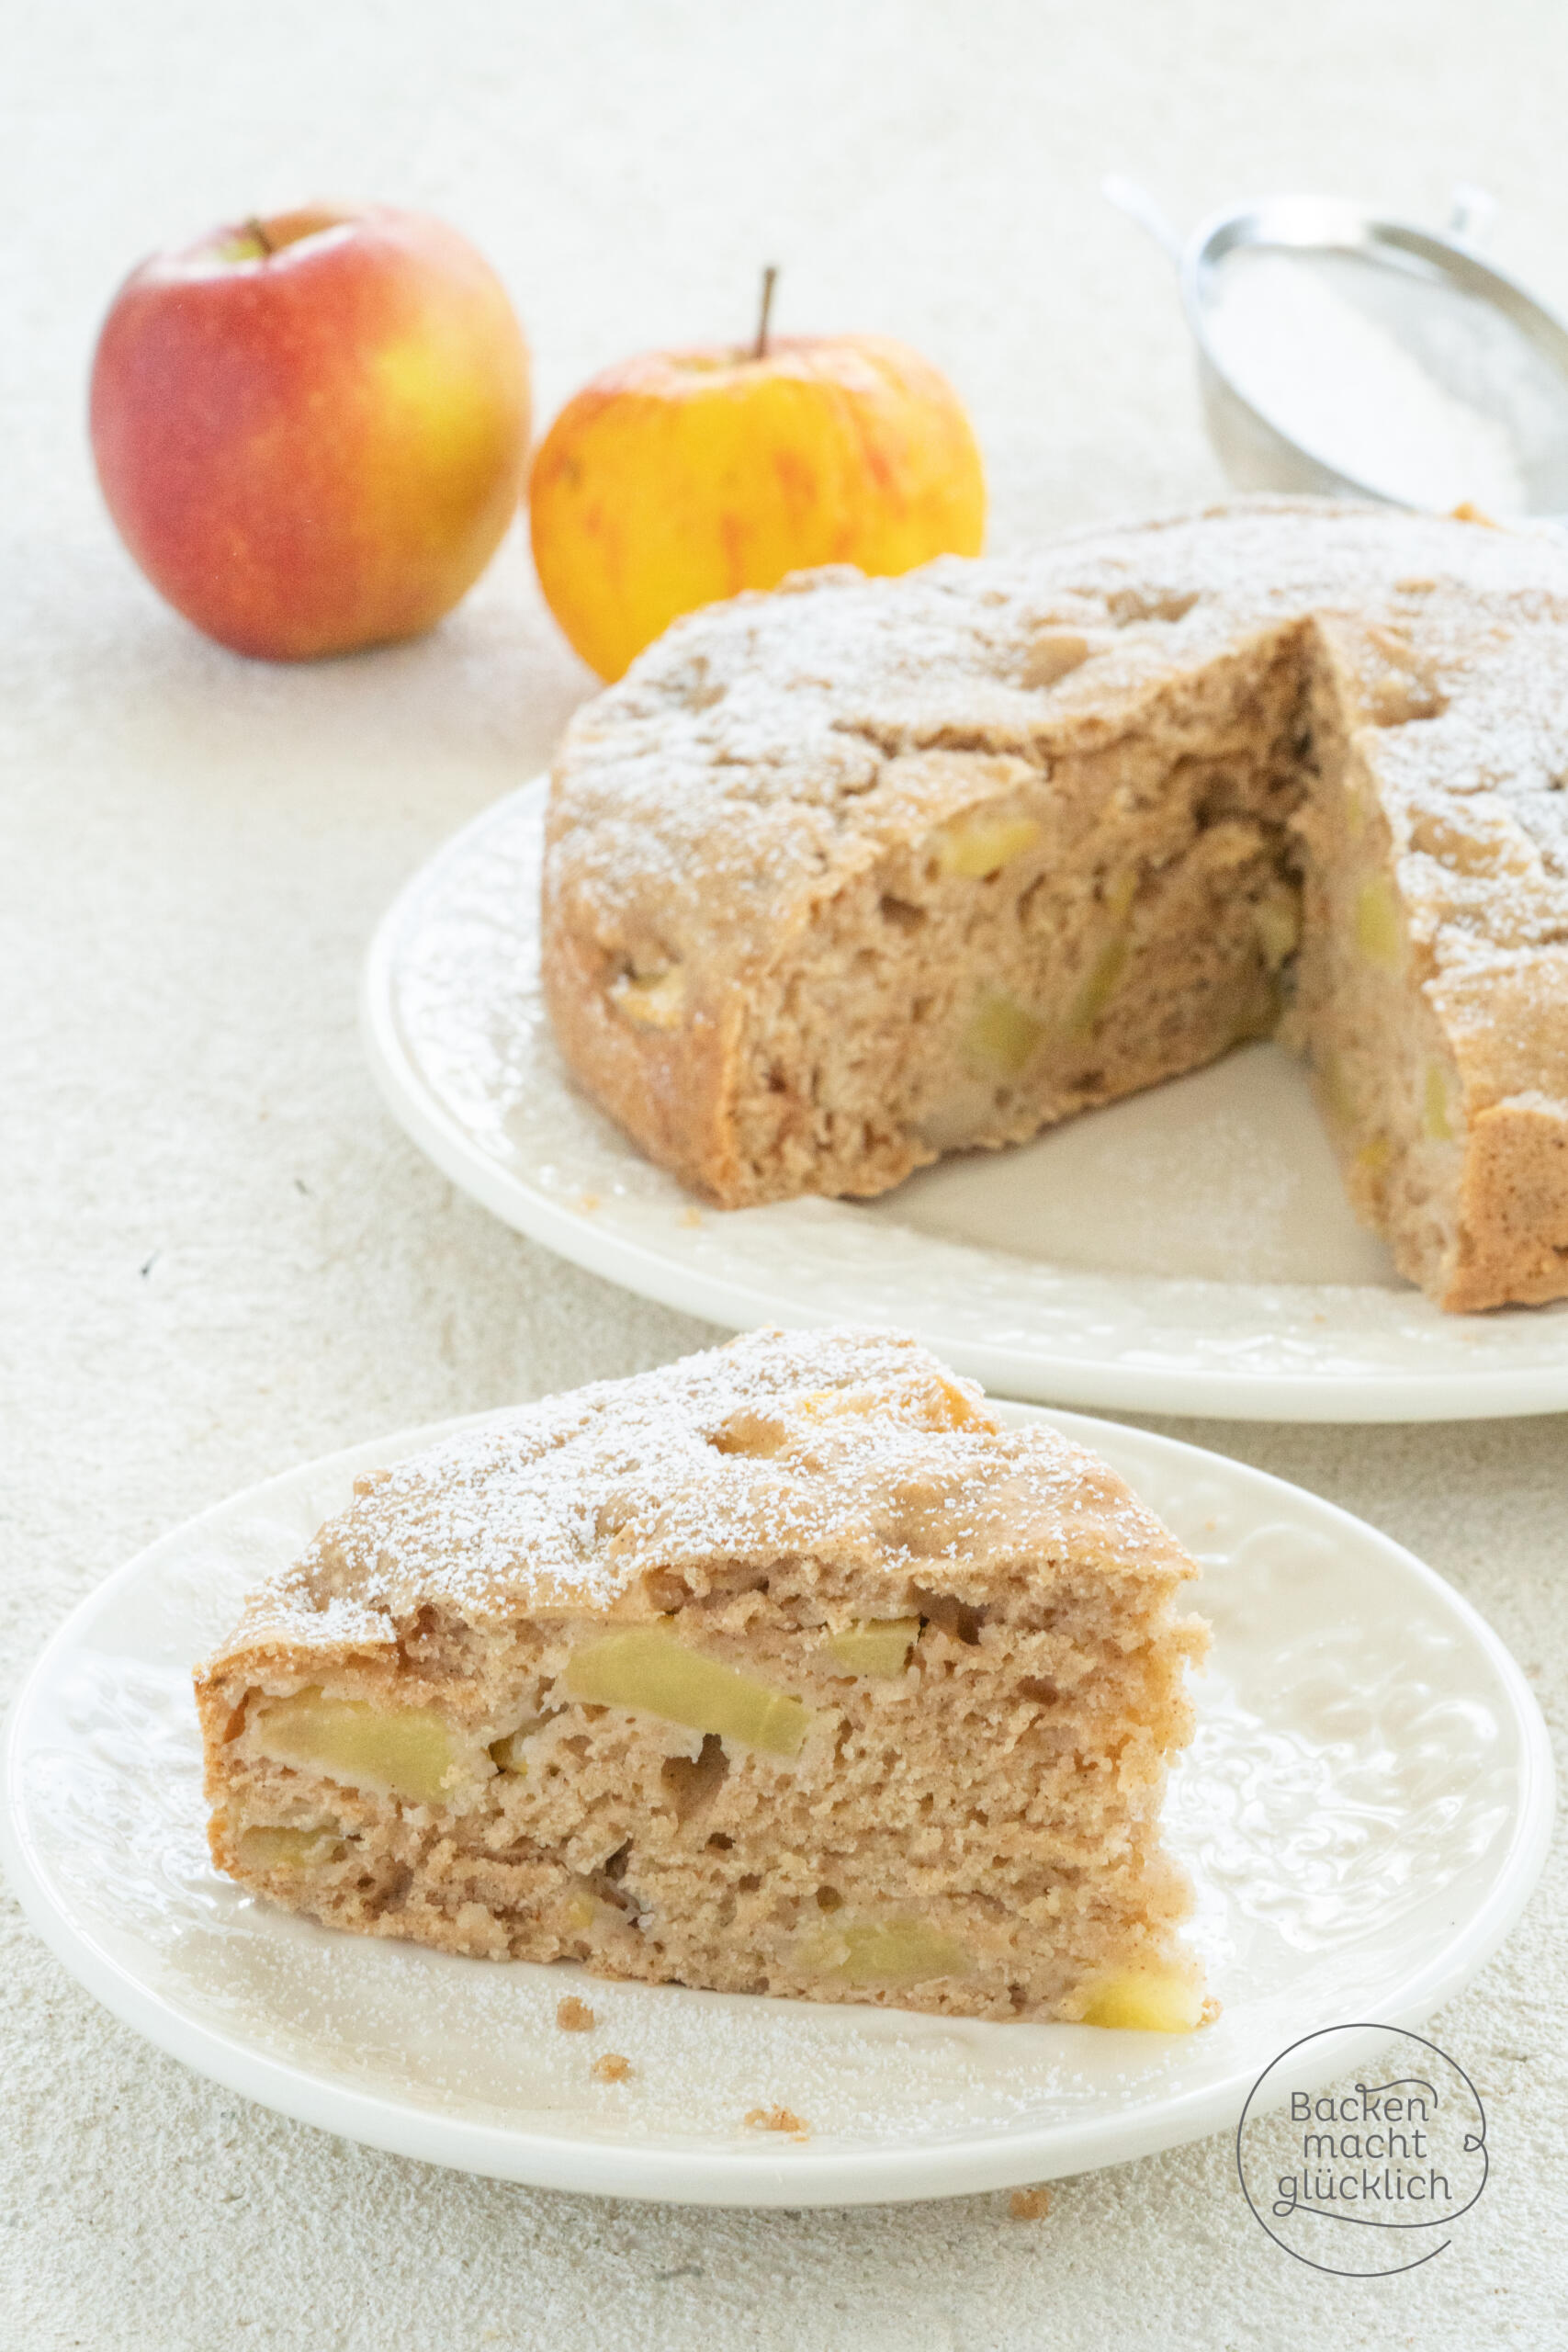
point(770, 279)
point(253, 228)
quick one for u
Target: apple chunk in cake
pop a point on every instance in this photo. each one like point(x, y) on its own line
point(786, 1668)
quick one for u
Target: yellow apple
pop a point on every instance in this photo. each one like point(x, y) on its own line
point(681, 477)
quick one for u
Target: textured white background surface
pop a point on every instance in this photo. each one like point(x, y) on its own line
point(220, 1257)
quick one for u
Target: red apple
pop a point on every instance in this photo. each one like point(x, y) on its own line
point(311, 430)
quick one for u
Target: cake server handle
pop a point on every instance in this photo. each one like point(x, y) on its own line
point(1140, 206)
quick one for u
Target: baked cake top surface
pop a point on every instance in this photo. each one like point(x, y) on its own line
point(850, 1446)
point(766, 750)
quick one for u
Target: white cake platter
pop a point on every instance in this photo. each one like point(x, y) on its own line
point(1188, 1250)
point(1364, 1811)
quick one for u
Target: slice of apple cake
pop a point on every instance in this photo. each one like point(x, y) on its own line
point(786, 1668)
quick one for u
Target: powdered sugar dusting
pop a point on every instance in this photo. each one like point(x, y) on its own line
point(765, 752)
point(851, 1444)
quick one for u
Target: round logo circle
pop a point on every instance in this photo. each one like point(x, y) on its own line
point(1367, 2177)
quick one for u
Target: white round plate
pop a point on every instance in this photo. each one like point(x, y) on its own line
point(1364, 1810)
point(1188, 1250)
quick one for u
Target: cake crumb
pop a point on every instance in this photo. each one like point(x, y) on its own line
point(1029, 2204)
point(612, 2067)
point(1210, 2010)
point(573, 2015)
point(778, 2118)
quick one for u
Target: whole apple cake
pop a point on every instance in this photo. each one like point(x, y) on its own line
point(784, 1670)
point(845, 877)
